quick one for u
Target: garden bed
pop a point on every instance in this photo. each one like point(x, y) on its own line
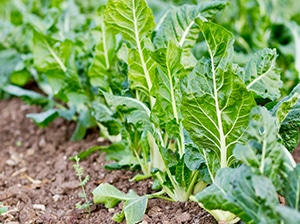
point(39, 184)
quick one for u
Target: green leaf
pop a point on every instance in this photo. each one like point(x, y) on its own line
point(262, 76)
point(135, 209)
point(3, 209)
point(110, 195)
point(134, 20)
point(56, 59)
point(20, 78)
point(105, 117)
point(179, 27)
point(287, 112)
point(27, 95)
point(84, 154)
point(167, 83)
point(288, 215)
point(261, 150)
point(45, 56)
point(9, 58)
point(121, 153)
point(126, 104)
point(104, 55)
point(167, 92)
point(119, 217)
point(193, 159)
point(45, 118)
point(215, 104)
point(251, 197)
point(85, 121)
point(292, 189)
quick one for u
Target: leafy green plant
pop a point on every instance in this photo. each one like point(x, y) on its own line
point(82, 182)
point(250, 191)
point(187, 112)
point(176, 92)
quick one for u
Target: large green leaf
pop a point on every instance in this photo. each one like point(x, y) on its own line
point(178, 25)
point(261, 150)
point(134, 20)
point(216, 104)
point(100, 69)
point(262, 76)
point(166, 89)
point(251, 197)
point(56, 60)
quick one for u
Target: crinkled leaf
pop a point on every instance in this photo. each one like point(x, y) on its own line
point(166, 89)
point(193, 159)
point(179, 26)
point(134, 20)
point(127, 104)
point(104, 116)
point(261, 150)
point(262, 76)
point(215, 105)
point(251, 197)
point(287, 112)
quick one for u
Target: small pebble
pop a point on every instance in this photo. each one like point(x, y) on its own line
point(55, 197)
point(39, 206)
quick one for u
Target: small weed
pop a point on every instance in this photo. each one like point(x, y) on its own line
point(83, 181)
point(3, 208)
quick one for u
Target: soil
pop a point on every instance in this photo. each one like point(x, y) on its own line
point(39, 185)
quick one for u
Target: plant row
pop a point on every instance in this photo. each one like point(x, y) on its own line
point(184, 93)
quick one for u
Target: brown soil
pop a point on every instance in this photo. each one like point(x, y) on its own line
point(39, 185)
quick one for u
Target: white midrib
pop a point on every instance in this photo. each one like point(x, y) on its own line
point(57, 59)
point(260, 77)
point(138, 43)
point(262, 163)
point(175, 113)
point(185, 33)
point(172, 95)
point(107, 65)
point(223, 148)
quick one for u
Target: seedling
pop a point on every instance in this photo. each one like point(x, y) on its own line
point(3, 208)
point(83, 181)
